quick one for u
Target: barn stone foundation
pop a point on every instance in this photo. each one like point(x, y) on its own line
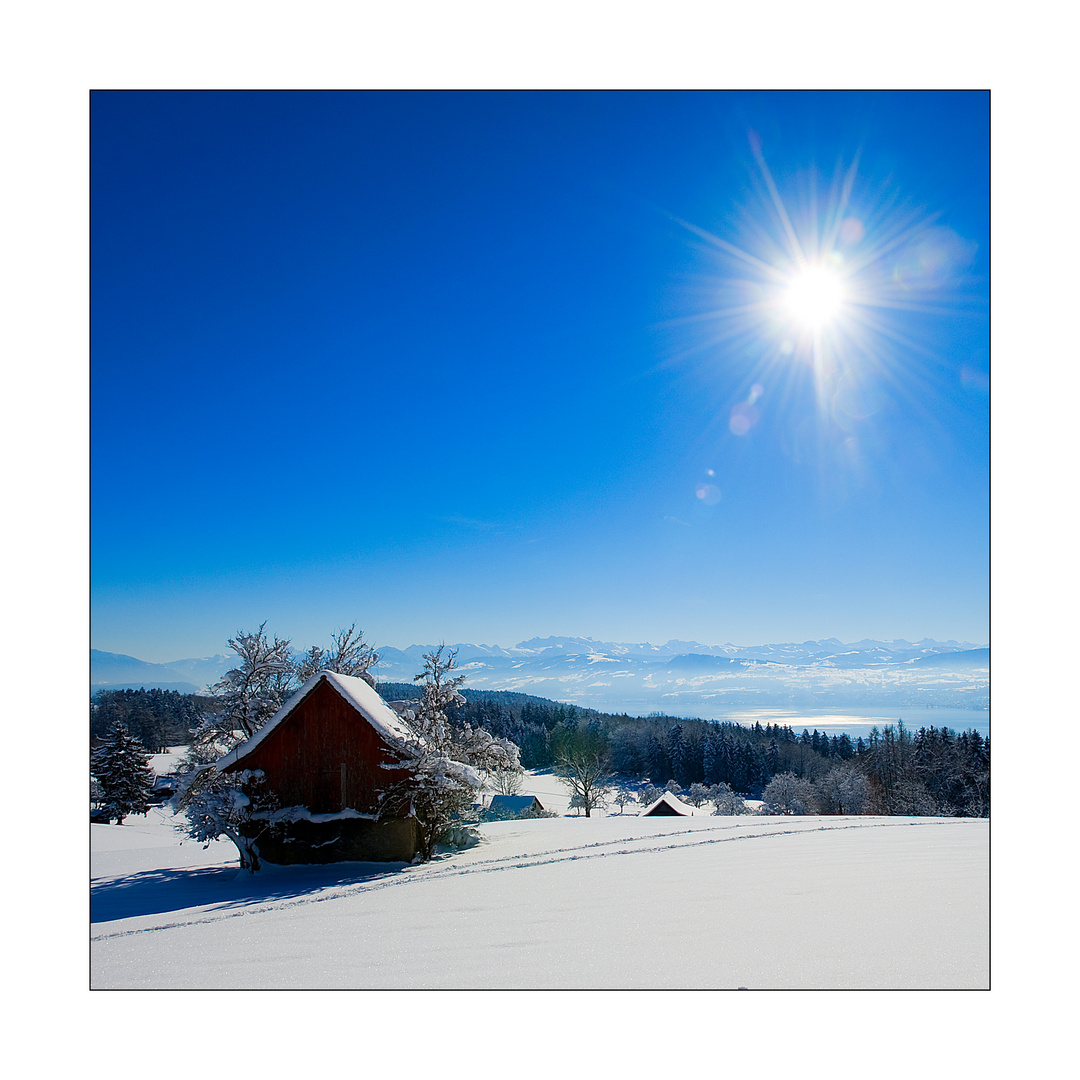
point(347, 839)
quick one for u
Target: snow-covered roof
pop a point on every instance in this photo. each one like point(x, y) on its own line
point(364, 698)
point(676, 804)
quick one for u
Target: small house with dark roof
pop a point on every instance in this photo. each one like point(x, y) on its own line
point(327, 755)
point(512, 806)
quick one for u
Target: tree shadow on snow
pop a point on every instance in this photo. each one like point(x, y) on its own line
point(156, 892)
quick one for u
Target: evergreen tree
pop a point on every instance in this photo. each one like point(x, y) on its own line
point(120, 767)
point(710, 756)
point(157, 718)
point(626, 756)
point(677, 754)
point(772, 761)
point(655, 759)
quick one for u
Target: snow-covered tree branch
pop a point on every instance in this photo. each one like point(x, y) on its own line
point(216, 805)
point(447, 765)
point(348, 654)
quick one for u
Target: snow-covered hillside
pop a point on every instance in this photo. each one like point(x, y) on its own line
point(602, 902)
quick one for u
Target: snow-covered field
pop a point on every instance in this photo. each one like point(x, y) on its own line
point(569, 902)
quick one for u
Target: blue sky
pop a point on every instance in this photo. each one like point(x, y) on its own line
point(482, 367)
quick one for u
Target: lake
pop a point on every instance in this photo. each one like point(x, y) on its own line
point(856, 722)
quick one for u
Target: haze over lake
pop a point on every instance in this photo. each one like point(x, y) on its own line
point(858, 722)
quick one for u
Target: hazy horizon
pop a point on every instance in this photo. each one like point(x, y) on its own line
point(301, 646)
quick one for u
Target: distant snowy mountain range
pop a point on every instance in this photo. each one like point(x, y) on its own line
point(680, 677)
point(115, 671)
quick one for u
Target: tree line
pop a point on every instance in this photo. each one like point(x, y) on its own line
point(930, 771)
point(157, 718)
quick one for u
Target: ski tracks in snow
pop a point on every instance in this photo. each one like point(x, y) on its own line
point(645, 844)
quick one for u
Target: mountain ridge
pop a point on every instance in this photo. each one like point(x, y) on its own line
point(677, 677)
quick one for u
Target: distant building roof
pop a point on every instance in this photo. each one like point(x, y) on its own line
point(667, 806)
point(515, 803)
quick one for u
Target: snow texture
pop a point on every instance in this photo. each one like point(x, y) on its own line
point(571, 902)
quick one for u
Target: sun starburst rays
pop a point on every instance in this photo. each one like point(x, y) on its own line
point(817, 295)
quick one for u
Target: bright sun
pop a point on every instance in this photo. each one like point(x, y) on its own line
point(814, 295)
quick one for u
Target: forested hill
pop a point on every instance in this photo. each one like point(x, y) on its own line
point(398, 691)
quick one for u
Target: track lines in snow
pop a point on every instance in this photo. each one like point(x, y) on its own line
point(640, 844)
point(592, 851)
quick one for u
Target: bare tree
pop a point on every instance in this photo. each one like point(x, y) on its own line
point(507, 781)
point(581, 763)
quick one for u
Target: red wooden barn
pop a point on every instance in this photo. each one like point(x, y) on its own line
point(325, 755)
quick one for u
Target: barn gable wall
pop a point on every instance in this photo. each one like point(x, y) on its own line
point(324, 755)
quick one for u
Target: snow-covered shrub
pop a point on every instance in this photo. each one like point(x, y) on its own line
point(649, 794)
point(698, 794)
point(787, 793)
point(726, 801)
point(224, 804)
point(842, 790)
